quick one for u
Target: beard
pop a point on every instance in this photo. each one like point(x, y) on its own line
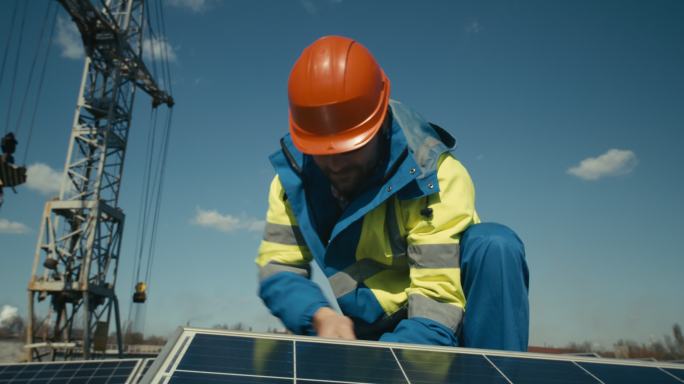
point(350, 181)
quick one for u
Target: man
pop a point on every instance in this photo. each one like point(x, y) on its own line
point(370, 190)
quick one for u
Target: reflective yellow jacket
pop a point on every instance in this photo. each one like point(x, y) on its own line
point(391, 256)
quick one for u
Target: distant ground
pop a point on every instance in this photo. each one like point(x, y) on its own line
point(11, 351)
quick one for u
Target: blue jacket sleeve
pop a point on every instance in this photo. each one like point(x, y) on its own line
point(293, 299)
point(284, 260)
point(420, 330)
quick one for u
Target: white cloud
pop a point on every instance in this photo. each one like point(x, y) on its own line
point(155, 48)
point(40, 177)
point(612, 163)
point(69, 39)
point(12, 228)
point(226, 223)
point(473, 27)
point(309, 7)
point(8, 313)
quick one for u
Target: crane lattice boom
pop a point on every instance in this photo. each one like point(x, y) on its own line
point(77, 253)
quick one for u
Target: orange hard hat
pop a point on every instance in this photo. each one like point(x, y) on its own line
point(338, 97)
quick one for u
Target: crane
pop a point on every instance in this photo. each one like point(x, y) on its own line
point(76, 258)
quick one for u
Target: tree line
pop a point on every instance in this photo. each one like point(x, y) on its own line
point(670, 347)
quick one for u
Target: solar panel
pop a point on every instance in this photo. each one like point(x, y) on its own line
point(62, 372)
point(211, 356)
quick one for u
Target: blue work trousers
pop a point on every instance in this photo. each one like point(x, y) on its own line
point(495, 281)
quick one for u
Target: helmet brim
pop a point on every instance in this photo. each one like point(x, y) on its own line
point(346, 141)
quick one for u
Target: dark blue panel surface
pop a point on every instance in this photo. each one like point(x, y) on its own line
point(8, 371)
point(111, 371)
point(676, 372)
point(27, 373)
point(628, 374)
point(520, 370)
point(241, 355)
point(199, 378)
point(347, 363)
point(444, 367)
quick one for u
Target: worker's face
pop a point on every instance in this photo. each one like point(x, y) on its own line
point(349, 171)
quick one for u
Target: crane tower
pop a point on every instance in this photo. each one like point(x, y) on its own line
point(71, 291)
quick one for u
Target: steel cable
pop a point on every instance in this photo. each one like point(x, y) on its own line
point(144, 205)
point(16, 66)
point(160, 188)
point(8, 41)
point(156, 163)
point(32, 69)
point(40, 87)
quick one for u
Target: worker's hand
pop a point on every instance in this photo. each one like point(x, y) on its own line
point(328, 323)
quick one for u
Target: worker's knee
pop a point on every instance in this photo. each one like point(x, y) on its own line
point(491, 245)
point(491, 235)
point(495, 281)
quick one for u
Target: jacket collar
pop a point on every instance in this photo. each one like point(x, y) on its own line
point(414, 151)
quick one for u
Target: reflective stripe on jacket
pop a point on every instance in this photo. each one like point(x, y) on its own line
point(394, 248)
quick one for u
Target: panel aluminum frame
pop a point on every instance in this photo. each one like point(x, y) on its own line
point(170, 356)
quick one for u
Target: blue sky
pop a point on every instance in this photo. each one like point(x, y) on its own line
point(568, 115)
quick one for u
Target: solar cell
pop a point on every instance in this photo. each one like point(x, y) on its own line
point(98, 371)
point(199, 378)
point(444, 367)
point(321, 361)
point(679, 373)
point(627, 374)
point(525, 370)
point(208, 356)
point(238, 355)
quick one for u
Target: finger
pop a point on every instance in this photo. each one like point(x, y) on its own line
point(328, 334)
point(347, 333)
